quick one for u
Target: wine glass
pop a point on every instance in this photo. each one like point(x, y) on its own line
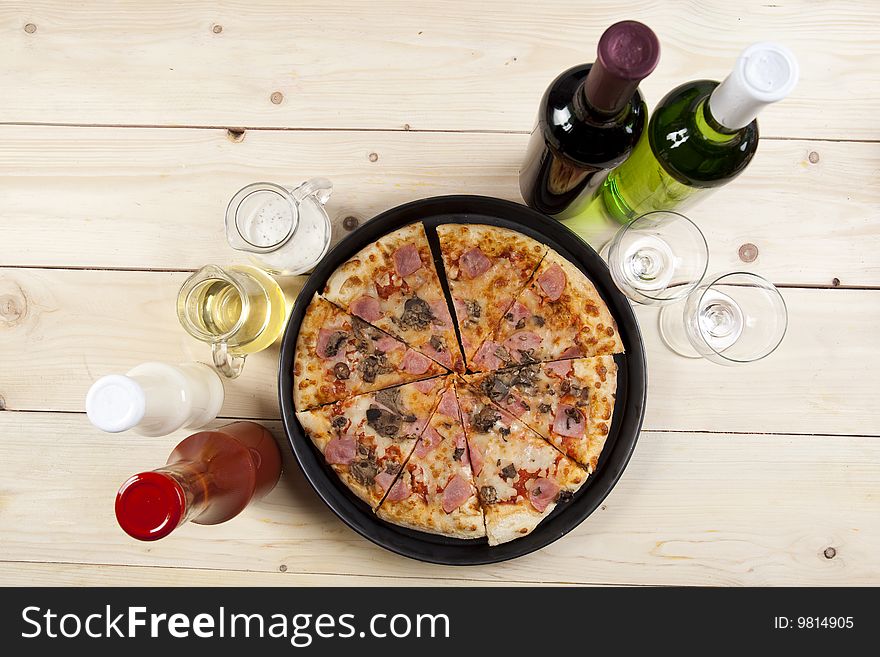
point(732, 319)
point(657, 258)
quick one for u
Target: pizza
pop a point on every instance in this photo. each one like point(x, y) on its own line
point(476, 428)
point(338, 356)
point(366, 439)
point(559, 315)
point(487, 267)
point(393, 284)
point(436, 492)
point(568, 402)
point(520, 477)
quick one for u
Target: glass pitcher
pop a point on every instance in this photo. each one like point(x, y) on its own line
point(284, 231)
point(238, 310)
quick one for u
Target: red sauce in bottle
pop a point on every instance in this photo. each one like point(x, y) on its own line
point(210, 477)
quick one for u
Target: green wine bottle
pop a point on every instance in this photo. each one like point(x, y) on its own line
point(702, 135)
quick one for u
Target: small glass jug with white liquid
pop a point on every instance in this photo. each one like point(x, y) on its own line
point(286, 232)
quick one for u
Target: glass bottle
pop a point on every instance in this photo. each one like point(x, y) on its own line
point(210, 477)
point(155, 399)
point(589, 120)
point(284, 231)
point(702, 135)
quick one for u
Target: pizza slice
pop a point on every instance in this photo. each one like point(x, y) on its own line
point(367, 439)
point(487, 267)
point(520, 477)
point(338, 355)
point(393, 285)
point(559, 315)
point(569, 402)
point(436, 492)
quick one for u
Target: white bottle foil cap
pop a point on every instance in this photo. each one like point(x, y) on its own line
point(115, 403)
point(764, 73)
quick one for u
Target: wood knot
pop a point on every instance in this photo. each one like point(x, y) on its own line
point(813, 157)
point(217, 29)
point(235, 134)
point(12, 309)
point(830, 553)
point(835, 281)
point(350, 222)
point(282, 568)
point(748, 252)
point(30, 28)
point(277, 98)
point(2, 403)
point(373, 157)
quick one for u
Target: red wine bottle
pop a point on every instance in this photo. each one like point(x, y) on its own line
point(590, 119)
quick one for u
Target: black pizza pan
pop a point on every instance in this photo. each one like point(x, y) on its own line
point(628, 410)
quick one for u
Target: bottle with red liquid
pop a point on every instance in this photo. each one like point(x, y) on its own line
point(210, 477)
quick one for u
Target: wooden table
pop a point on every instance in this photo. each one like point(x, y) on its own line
point(125, 127)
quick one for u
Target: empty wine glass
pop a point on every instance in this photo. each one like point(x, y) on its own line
point(657, 258)
point(732, 319)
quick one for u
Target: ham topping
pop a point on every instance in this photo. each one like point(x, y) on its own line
point(441, 313)
point(552, 282)
point(569, 421)
point(407, 260)
point(415, 363)
point(517, 312)
point(514, 405)
point(387, 344)
point(429, 440)
point(486, 356)
point(474, 262)
point(367, 308)
point(522, 341)
point(572, 352)
point(457, 492)
point(329, 342)
point(461, 449)
point(476, 458)
point(561, 368)
point(448, 405)
point(399, 491)
point(425, 386)
point(542, 493)
point(341, 450)
point(385, 479)
point(442, 357)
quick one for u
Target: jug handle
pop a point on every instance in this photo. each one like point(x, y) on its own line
point(320, 188)
point(228, 365)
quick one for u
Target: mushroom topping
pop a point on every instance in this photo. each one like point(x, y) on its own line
point(485, 419)
point(488, 494)
point(384, 422)
point(416, 314)
point(341, 371)
point(508, 471)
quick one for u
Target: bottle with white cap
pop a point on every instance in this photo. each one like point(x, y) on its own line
point(701, 136)
point(155, 399)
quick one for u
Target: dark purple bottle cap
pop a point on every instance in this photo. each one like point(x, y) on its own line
point(628, 51)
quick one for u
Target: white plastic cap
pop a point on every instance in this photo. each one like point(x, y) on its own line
point(115, 403)
point(764, 73)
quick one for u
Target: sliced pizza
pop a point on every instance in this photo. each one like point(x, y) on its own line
point(436, 491)
point(569, 402)
point(367, 439)
point(559, 315)
point(338, 355)
point(519, 476)
point(393, 285)
point(487, 267)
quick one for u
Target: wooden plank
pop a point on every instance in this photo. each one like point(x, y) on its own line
point(78, 574)
point(142, 198)
point(62, 329)
point(391, 64)
point(690, 509)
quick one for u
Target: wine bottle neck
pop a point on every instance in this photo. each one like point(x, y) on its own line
point(764, 73)
point(710, 128)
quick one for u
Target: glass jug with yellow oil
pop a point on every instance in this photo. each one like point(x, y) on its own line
point(238, 310)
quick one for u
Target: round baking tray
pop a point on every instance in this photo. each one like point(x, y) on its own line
point(628, 410)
